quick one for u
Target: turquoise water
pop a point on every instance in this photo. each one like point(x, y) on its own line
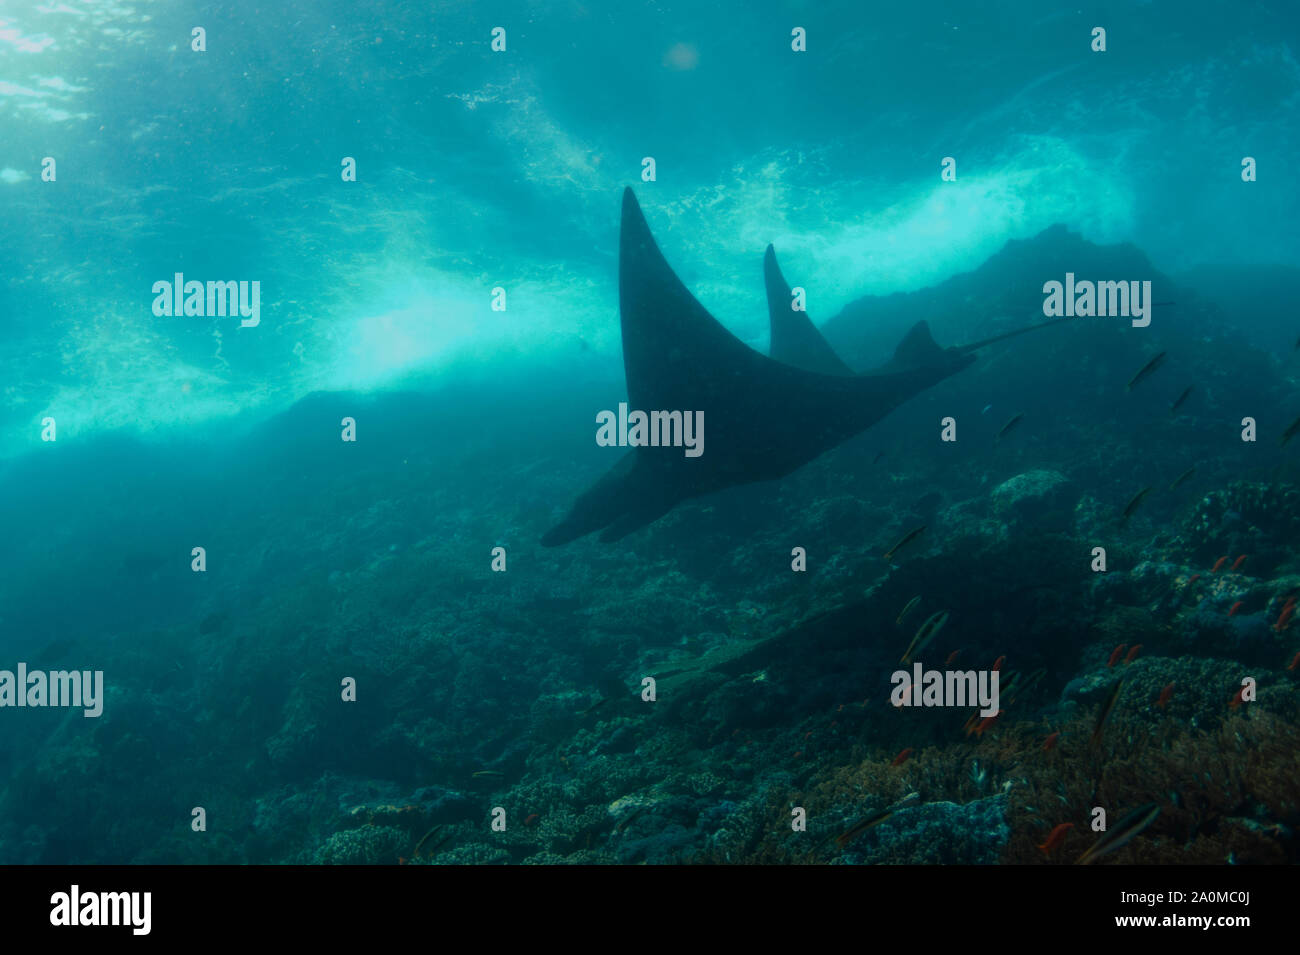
point(478, 170)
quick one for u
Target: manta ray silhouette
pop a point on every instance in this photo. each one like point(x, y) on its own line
point(764, 418)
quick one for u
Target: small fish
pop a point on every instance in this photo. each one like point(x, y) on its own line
point(846, 837)
point(986, 409)
point(1049, 744)
point(986, 724)
point(1055, 838)
point(1122, 833)
point(907, 608)
point(532, 819)
point(1015, 420)
point(1132, 654)
point(1218, 565)
point(1284, 618)
point(906, 539)
point(1232, 611)
point(1106, 709)
point(1115, 655)
point(1295, 662)
point(1146, 370)
point(969, 726)
point(1292, 430)
point(1178, 402)
point(1236, 564)
point(901, 758)
point(933, 624)
point(997, 664)
point(627, 820)
point(1182, 478)
point(1133, 504)
point(434, 838)
point(1165, 696)
point(489, 774)
point(1237, 698)
point(1191, 580)
point(879, 455)
point(952, 657)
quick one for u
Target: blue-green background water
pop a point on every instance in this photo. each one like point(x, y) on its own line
point(479, 169)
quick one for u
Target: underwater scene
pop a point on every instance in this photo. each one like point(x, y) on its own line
point(655, 433)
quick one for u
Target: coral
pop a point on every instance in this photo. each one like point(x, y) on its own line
point(367, 845)
point(1260, 520)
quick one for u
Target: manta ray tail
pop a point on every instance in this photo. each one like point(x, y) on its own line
point(795, 339)
point(1012, 334)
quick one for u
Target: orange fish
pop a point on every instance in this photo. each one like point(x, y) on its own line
point(1132, 654)
point(901, 758)
point(401, 861)
point(1232, 611)
point(985, 723)
point(1165, 695)
point(969, 725)
point(1238, 562)
point(798, 753)
point(1114, 655)
point(1236, 699)
point(1193, 579)
point(1050, 742)
point(1218, 565)
point(532, 820)
point(997, 664)
point(807, 734)
point(1285, 617)
point(1055, 838)
point(1295, 662)
point(952, 658)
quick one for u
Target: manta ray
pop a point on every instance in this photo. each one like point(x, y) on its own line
point(765, 417)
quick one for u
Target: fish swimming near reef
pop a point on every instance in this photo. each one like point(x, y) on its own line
point(1182, 478)
point(1166, 695)
point(765, 418)
point(933, 624)
point(431, 841)
point(1178, 402)
point(1133, 504)
point(904, 541)
point(1015, 420)
point(1292, 430)
point(907, 609)
point(1103, 714)
point(1146, 370)
point(1122, 833)
point(1055, 839)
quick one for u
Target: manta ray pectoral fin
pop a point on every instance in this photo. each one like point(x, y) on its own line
point(795, 339)
point(639, 516)
point(600, 505)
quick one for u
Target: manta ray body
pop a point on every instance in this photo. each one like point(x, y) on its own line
point(765, 417)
